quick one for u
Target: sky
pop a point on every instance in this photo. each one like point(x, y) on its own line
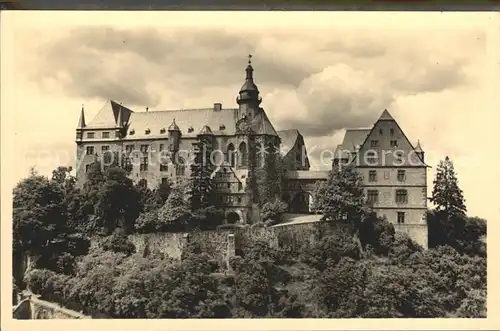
point(320, 73)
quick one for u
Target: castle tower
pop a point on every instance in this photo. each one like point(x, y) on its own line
point(248, 98)
point(174, 137)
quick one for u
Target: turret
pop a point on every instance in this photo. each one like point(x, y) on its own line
point(174, 137)
point(248, 99)
point(81, 125)
point(419, 151)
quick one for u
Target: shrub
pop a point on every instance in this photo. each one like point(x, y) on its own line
point(118, 243)
point(38, 282)
point(273, 210)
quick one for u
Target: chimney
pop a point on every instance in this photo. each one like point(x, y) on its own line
point(217, 106)
point(147, 109)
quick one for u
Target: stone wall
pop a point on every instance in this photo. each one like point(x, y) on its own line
point(31, 307)
point(224, 243)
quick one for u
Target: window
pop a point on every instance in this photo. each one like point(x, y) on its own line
point(401, 175)
point(372, 176)
point(90, 150)
point(163, 167)
point(238, 199)
point(90, 135)
point(129, 149)
point(105, 135)
point(144, 164)
point(164, 180)
point(401, 196)
point(144, 148)
point(180, 167)
point(104, 148)
point(240, 186)
point(372, 196)
point(228, 185)
point(394, 143)
point(87, 167)
point(162, 147)
point(401, 217)
point(381, 131)
point(392, 132)
point(374, 143)
point(371, 158)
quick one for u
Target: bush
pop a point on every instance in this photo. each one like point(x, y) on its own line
point(37, 280)
point(273, 210)
point(332, 247)
point(118, 243)
point(66, 264)
point(474, 305)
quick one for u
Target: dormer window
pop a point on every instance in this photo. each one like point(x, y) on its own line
point(222, 127)
point(162, 130)
point(132, 132)
point(148, 131)
point(190, 129)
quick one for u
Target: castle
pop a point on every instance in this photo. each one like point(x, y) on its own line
point(160, 145)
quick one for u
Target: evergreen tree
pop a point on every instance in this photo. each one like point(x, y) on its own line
point(446, 194)
point(449, 201)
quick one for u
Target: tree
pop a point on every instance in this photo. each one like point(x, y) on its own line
point(273, 210)
point(175, 214)
point(449, 201)
point(201, 172)
point(38, 213)
point(341, 197)
point(117, 201)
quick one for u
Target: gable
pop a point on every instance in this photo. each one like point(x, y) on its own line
point(108, 116)
point(389, 146)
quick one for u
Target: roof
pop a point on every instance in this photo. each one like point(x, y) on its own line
point(221, 122)
point(418, 148)
point(353, 138)
point(206, 130)
point(306, 174)
point(108, 115)
point(386, 116)
point(262, 125)
point(288, 140)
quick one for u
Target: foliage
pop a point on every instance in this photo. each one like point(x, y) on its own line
point(273, 210)
point(118, 243)
point(341, 197)
point(207, 218)
point(38, 213)
point(378, 233)
point(201, 170)
point(175, 214)
point(331, 249)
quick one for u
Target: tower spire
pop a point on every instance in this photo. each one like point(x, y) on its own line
point(81, 122)
point(249, 91)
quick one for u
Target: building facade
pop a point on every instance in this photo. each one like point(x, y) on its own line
point(161, 145)
point(394, 174)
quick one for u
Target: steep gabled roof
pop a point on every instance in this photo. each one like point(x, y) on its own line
point(262, 125)
point(385, 117)
point(107, 117)
point(288, 140)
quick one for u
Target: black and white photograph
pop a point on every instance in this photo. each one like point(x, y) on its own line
point(238, 165)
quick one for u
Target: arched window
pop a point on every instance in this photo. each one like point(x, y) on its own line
point(231, 155)
point(180, 167)
point(243, 153)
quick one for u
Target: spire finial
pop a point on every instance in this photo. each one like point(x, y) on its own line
point(249, 59)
